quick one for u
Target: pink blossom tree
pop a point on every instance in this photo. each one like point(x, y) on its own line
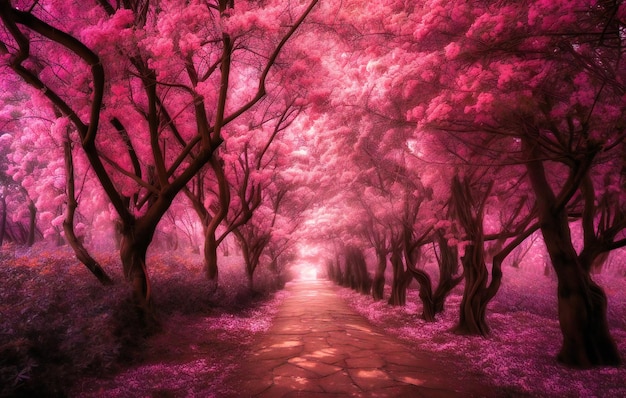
point(42, 162)
point(227, 197)
point(544, 80)
point(163, 94)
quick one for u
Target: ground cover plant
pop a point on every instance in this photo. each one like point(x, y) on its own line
point(65, 334)
point(519, 355)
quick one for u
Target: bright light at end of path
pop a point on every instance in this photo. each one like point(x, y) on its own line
point(307, 267)
point(306, 271)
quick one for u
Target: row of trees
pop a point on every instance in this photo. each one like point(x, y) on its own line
point(119, 107)
point(468, 126)
point(473, 126)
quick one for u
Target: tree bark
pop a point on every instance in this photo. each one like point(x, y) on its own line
point(133, 251)
point(251, 248)
point(582, 304)
point(330, 271)
point(32, 222)
point(83, 255)
point(334, 271)
point(212, 223)
point(448, 268)
point(433, 302)
point(401, 280)
point(250, 276)
point(473, 305)
point(136, 236)
point(425, 294)
point(210, 256)
point(378, 285)
point(3, 218)
point(356, 271)
point(469, 206)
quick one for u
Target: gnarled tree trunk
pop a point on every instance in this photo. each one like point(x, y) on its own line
point(582, 304)
point(433, 302)
point(448, 268)
point(469, 206)
point(133, 249)
point(401, 280)
point(426, 292)
point(474, 304)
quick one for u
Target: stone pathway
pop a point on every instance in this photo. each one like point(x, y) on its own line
point(319, 347)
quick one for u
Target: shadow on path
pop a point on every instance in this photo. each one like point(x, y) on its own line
point(319, 347)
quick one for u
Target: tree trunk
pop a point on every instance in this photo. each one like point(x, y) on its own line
point(32, 223)
point(341, 274)
point(83, 255)
point(469, 208)
point(400, 281)
point(68, 224)
point(3, 218)
point(473, 305)
point(136, 236)
point(250, 257)
point(448, 269)
point(330, 271)
point(279, 280)
point(334, 271)
point(378, 285)
point(133, 251)
point(356, 271)
point(210, 256)
point(250, 276)
point(433, 303)
point(363, 282)
point(426, 292)
point(210, 242)
point(582, 304)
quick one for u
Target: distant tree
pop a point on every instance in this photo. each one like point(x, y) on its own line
point(356, 275)
point(226, 196)
point(39, 136)
point(32, 179)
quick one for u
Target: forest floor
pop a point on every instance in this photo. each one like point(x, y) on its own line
point(61, 336)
